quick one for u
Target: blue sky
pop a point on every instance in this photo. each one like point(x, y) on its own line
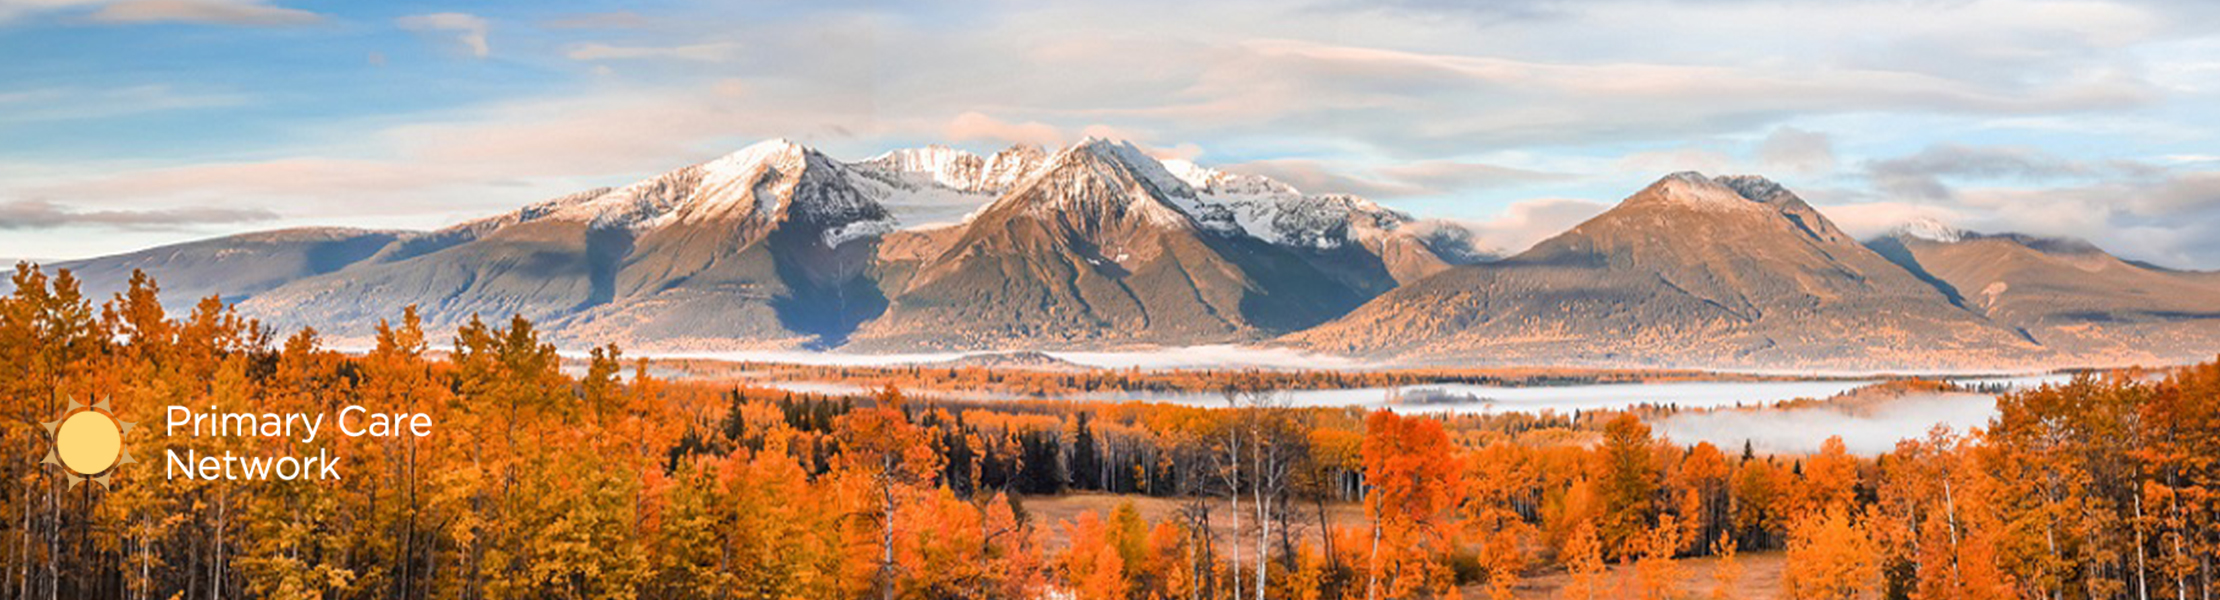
point(132, 123)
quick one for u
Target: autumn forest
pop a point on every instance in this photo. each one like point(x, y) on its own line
point(606, 481)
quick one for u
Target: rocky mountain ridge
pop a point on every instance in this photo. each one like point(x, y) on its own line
point(1099, 245)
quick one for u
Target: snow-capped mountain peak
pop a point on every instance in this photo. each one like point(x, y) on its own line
point(958, 169)
point(1254, 205)
point(766, 182)
point(1930, 229)
point(1213, 181)
point(1755, 188)
point(1142, 166)
point(1106, 180)
point(758, 182)
point(775, 152)
point(940, 164)
point(1690, 189)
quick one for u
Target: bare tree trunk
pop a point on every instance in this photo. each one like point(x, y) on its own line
point(216, 575)
point(408, 536)
point(1950, 517)
point(886, 535)
point(23, 591)
point(146, 577)
point(1372, 563)
point(1263, 508)
point(53, 544)
point(2142, 579)
point(2181, 580)
point(1233, 496)
point(1325, 532)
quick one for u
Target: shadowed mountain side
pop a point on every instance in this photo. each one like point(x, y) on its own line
point(541, 270)
point(232, 267)
point(759, 246)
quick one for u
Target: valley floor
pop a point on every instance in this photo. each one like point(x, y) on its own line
point(1760, 578)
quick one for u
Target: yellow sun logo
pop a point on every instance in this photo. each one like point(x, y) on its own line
point(88, 442)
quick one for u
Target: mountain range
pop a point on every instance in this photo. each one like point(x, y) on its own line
point(1100, 246)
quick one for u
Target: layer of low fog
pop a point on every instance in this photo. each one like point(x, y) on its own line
point(1189, 357)
point(1870, 430)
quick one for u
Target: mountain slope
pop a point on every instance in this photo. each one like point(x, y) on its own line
point(1353, 239)
point(1370, 246)
point(2067, 294)
point(778, 245)
point(1102, 246)
point(1733, 271)
point(761, 246)
point(232, 267)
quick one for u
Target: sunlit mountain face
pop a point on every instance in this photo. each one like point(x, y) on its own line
point(1099, 246)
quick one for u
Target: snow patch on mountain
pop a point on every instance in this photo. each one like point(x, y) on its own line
point(767, 182)
point(1694, 190)
point(1276, 212)
point(956, 169)
point(842, 234)
point(1754, 188)
point(936, 163)
point(937, 178)
point(1143, 168)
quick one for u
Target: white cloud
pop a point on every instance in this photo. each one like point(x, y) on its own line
point(1528, 222)
point(1401, 180)
point(1680, 159)
point(1792, 149)
point(1929, 172)
point(711, 52)
point(1866, 220)
point(40, 214)
point(975, 126)
point(467, 29)
point(2164, 212)
point(1320, 177)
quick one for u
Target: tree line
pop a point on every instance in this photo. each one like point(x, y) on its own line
point(610, 483)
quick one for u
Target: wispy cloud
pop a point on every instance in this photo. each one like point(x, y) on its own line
point(466, 29)
point(1425, 103)
point(1422, 178)
point(217, 12)
point(39, 214)
point(607, 20)
point(1529, 222)
point(976, 126)
point(73, 103)
point(1925, 174)
point(1797, 150)
point(712, 52)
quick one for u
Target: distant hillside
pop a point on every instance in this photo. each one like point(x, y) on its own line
point(232, 267)
point(1725, 272)
point(2069, 295)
